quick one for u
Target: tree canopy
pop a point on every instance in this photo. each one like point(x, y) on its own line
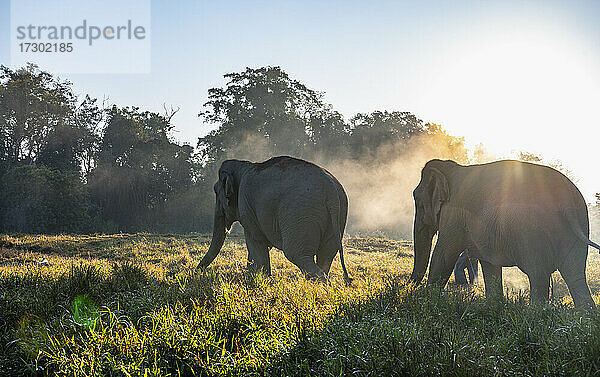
point(71, 164)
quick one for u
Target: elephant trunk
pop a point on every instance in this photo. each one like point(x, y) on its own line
point(422, 237)
point(218, 238)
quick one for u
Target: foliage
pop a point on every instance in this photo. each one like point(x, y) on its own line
point(260, 113)
point(263, 112)
point(128, 174)
point(370, 131)
point(266, 105)
point(95, 309)
point(138, 168)
point(41, 121)
point(37, 199)
point(536, 159)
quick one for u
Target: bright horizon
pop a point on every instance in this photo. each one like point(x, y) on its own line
point(512, 76)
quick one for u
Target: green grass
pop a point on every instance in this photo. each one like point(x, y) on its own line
point(134, 305)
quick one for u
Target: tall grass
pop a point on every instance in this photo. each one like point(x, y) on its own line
point(134, 305)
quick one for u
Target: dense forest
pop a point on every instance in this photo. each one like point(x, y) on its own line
point(74, 164)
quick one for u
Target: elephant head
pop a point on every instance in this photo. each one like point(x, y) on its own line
point(431, 193)
point(226, 211)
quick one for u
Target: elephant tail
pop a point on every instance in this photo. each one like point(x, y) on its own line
point(578, 232)
point(593, 244)
point(347, 277)
point(585, 239)
point(336, 214)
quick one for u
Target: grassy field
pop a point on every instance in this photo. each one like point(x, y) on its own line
point(133, 305)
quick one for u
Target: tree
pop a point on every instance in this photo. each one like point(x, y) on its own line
point(529, 157)
point(66, 162)
point(263, 112)
point(45, 135)
point(481, 155)
point(594, 213)
point(32, 104)
point(370, 131)
point(138, 168)
point(41, 122)
point(37, 199)
point(555, 164)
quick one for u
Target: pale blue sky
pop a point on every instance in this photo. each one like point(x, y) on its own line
point(511, 74)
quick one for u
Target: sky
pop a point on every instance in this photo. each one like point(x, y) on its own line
point(513, 75)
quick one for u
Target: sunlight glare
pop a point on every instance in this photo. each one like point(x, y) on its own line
point(535, 92)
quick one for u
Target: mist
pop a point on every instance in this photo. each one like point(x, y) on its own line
point(380, 184)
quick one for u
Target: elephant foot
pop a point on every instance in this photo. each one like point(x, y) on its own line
point(320, 277)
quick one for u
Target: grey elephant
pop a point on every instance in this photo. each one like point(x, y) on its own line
point(288, 203)
point(466, 262)
point(508, 213)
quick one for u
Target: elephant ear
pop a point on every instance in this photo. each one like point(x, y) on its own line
point(439, 194)
point(228, 188)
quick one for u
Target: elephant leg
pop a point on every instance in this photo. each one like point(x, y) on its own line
point(459, 274)
point(305, 261)
point(539, 287)
point(492, 278)
point(573, 272)
point(300, 245)
point(304, 258)
point(445, 255)
point(258, 255)
point(580, 292)
point(326, 254)
point(474, 268)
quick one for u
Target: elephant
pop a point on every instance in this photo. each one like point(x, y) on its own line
point(468, 262)
point(284, 202)
point(508, 213)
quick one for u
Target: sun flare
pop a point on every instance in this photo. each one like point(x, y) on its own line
point(534, 90)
